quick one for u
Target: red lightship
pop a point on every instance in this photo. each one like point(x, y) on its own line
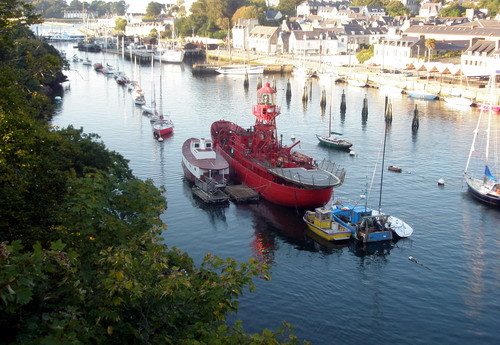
point(258, 159)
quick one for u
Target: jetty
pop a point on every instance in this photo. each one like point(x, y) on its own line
point(241, 193)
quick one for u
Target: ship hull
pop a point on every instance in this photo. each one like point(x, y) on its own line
point(281, 194)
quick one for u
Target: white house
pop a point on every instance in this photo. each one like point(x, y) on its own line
point(482, 58)
point(241, 31)
point(398, 52)
point(430, 9)
point(263, 39)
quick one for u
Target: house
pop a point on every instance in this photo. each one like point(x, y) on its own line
point(144, 29)
point(482, 58)
point(430, 9)
point(273, 15)
point(313, 42)
point(398, 53)
point(263, 39)
point(71, 14)
point(241, 32)
point(412, 5)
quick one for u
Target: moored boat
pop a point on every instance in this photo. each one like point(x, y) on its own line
point(487, 107)
point(162, 127)
point(358, 83)
point(422, 95)
point(169, 54)
point(201, 162)
point(458, 101)
point(240, 69)
point(258, 159)
point(320, 222)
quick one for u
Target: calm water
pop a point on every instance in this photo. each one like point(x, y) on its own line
point(331, 294)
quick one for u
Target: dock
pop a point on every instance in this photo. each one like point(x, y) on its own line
point(215, 198)
point(242, 193)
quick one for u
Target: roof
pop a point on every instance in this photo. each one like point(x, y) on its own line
point(482, 46)
point(263, 31)
point(453, 30)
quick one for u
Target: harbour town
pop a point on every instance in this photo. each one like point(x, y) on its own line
point(174, 188)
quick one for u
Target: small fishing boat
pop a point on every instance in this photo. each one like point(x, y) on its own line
point(87, 62)
point(98, 66)
point(320, 222)
point(363, 224)
point(394, 168)
point(422, 95)
point(240, 69)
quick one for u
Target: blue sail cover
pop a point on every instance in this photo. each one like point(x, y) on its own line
point(488, 174)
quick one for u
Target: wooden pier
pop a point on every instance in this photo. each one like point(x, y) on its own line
point(242, 193)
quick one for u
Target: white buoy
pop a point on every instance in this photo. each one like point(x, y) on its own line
point(352, 153)
point(441, 182)
point(292, 137)
point(160, 138)
point(58, 98)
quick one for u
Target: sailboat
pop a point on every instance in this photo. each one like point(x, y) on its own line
point(368, 225)
point(487, 187)
point(330, 140)
point(163, 126)
point(151, 108)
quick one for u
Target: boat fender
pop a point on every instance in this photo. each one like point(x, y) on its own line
point(156, 135)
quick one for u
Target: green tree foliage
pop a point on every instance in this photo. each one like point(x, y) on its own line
point(367, 3)
point(430, 45)
point(153, 10)
point(82, 260)
point(493, 6)
point(453, 10)
point(395, 8)
point(288, 7)
point(120, 24)
point(365, 54)
point(248, 12)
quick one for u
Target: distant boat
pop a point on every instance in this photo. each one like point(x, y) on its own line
point(357, 83)
point(494, 108)
point(304, 72)
point(422, 95)
point(330, 139)
point(87, 62)
point(170, 54)
point(162, 126)
point(240, 69)
point(320, 222)
point(458, 101)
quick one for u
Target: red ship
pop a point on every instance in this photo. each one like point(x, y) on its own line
point(258, 158)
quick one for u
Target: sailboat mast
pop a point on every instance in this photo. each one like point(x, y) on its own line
point(382, 168)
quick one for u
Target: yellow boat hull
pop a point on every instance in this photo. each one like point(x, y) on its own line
point(335, 232)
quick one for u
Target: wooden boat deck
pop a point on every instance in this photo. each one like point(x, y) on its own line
point(215, 198)
point(242, 193)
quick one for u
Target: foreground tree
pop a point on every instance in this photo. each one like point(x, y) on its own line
point(82, 260)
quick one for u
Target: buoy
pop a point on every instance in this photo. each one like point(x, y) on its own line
point(160, 139)
point(292, 137)
point(352, 153)
point(57, 98)
point(441, 182)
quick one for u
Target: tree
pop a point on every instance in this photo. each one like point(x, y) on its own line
point(453, 10)
point(430, 45)
point(119, 7)
point(378, 3)
point(120, 24)
point(493, 7)
point(82, 260)
point(288, 7)
point(153, 10)
point(395, 8)
point(248, 12)
point(365, 54)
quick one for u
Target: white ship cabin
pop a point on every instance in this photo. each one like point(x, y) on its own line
point(203, 149)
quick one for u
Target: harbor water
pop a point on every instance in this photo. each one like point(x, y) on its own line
point(332, 294)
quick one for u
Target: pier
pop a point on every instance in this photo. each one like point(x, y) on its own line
point(242, 193)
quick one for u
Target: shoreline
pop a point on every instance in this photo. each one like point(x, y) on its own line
point(418, 81)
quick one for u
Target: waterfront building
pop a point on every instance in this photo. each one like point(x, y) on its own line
point(263, 39)
point(241, 31)
point(313, 42)
point(398, 53)
point(481, 59)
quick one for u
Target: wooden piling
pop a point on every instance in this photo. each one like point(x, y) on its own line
point(342, 103)
point(415, 122)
